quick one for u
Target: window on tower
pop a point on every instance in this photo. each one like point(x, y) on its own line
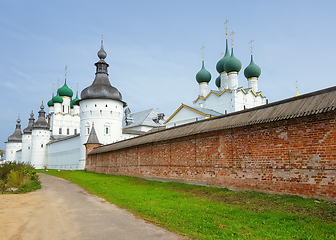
point(68, 131)
point(75, 131)
point(60, 131)
point(107, 129)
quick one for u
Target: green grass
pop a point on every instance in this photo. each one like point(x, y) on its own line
point(213, 213)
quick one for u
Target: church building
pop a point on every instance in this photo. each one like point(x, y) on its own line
point(229, 97)
point(58, 139)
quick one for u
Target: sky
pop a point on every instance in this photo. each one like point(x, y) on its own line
point(154, 49)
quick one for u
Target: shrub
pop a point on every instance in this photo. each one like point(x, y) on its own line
point(21, 176)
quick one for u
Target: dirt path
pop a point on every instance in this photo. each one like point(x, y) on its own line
point(62, 210)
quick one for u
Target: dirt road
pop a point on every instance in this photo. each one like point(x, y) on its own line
point(62, 210)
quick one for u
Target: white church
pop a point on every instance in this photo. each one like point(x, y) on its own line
point(230, 97)
point(57, 141)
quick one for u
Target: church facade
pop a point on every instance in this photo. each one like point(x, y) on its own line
point(228, 98)
point(57, 140)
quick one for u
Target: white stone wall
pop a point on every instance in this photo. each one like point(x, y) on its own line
point(26, 147)
point(233, 80)
point(39, 153)
point(106, 114)
point(203, 89)
point(65, 154)
point(184, 116)
point(11, 148)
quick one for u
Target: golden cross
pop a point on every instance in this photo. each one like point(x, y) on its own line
point(226, 22)
point(231, 35)
point(102, 38)
point(58, 84)
point(251, 42)
point(297, 91)
point(66, 67)
point(202, 48)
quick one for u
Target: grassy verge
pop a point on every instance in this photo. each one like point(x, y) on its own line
point(18, 178)
point(213, 213)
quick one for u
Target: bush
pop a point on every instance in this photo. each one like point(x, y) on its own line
point(20, 176)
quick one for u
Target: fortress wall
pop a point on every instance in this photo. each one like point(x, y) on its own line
point(294, 156)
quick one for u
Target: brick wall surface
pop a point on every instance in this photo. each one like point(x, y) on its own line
point(295, 156)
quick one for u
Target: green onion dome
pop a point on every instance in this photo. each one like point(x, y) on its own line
point(57, 98)
point(71, 105)
point(203, 75)
point(252, 70)
point(75, 100)
point(220, 64)
point(233, 64)
point(218, 81)
point(51, 103)
point(65, 91)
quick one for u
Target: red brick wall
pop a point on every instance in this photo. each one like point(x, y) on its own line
point(296, 156)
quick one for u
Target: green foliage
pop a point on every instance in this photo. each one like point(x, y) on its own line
point(16, 179)
point(213, 213)
point(20, 176)
point(2, 152)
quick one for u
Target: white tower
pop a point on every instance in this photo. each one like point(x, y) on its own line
point(222, 81)
point(203, 77)
point(27, 140)
point(101, 104)
point(40, 138)
point(232, 67)
point(252, 73)
point(14, 142)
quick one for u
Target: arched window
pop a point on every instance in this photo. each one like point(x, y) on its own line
point(107, 130)
point(87, 128)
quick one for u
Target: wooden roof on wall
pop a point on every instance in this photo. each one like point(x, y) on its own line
point(308, 104)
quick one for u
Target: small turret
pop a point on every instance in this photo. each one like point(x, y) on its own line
point(41, 122)
point(17, 135)
point(252, 73)
point(29, 128)
point(203, 77)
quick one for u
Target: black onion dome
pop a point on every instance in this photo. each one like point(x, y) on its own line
point(29, 129)
point(101, 87)
point(41, 123)
point(17, 135)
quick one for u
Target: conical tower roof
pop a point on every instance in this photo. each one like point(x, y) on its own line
point(101, 87)
point(93, 138)
point(41, 123)
point(28, 130)
point(17, 135)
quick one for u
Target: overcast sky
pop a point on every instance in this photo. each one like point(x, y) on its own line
point(154, 49)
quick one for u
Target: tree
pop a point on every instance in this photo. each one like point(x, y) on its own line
point(2, 152)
